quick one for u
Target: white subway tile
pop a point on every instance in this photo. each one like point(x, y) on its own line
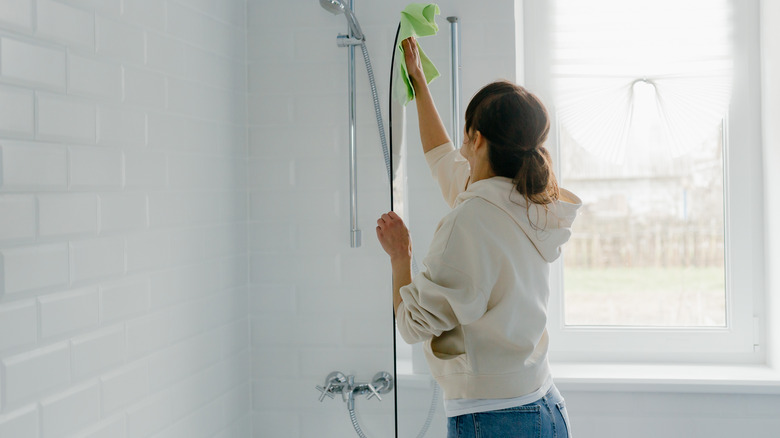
point(271, 110)
point(167, 209)
point(183, 283)
point(31, 373)
point(228, 239)
point(273, 331)
point(18, 324)
point(65, 312)
point(283, 49)
point(123, 211)
point(237, 369)
point(307, 269)
point(272, 206)
point(314, 360)
point(144, 335)
point(204, 31)
point(148, 418)
point(121, 126)
point(325, 109)
point(66, 214)
point(146, 168)
point(17, 217)
point(32, 64)
point(216, 70)
point(124, 387)
point(190, 171)
point(125, 299)
point(202, 423)
point(235, 337)
point(63, 118)
point(17, 112)
point(70, 411)
point(285, 363)
point(33, 267)
point(95, 167)
point(205, 6)
point(368, 332)
point(16, 13)
point(147, 13)
point(111, 8)
point(332, 234)
point(185, 358)
point(273, 299)
point(144, 88)
point(33, 166)
point(94, 77)
point(187, 245)
point(65, 24)
point(276, 421)
point(97, 351)
point(22, 422)
point(167, 54)
point(120, 41)
point(196, 391)
point(96, 258)
point(234, 208)
point(114, 427)
point(237, 403)
point(148, 250)
point(191, 317)
point(234, 12)
point(271, 172)
point(202, 101)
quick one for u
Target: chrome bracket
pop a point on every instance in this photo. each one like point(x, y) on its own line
point(346, 41)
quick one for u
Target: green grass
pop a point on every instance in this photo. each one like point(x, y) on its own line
point(627, 280)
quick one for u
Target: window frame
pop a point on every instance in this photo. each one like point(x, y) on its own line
point(740, 340)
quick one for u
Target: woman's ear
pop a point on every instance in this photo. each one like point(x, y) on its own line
point(479, 141)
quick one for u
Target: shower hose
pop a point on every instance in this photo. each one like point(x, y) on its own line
point(415, 269)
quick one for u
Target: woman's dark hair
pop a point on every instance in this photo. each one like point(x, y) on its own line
point(515, 124)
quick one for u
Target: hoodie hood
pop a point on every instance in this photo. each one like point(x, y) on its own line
point(547, 226)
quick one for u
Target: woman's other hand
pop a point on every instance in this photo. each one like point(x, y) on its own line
point(413, 64)
point(394, 237)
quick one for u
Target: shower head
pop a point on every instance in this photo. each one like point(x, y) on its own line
point(336, 7)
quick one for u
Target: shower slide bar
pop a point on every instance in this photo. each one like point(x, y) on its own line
point(456, 66)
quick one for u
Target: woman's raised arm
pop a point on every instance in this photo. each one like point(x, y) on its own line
point(432, 131)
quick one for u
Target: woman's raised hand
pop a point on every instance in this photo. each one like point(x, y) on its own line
point(412, 58)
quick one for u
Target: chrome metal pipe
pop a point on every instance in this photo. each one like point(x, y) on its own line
point(355, 240)
point(455, 65)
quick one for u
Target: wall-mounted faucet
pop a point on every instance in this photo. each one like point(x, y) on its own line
point(338, 383)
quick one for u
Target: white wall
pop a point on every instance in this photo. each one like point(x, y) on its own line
point(770, 63)
point(123, 243)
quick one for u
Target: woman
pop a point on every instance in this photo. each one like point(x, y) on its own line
point(481, 305)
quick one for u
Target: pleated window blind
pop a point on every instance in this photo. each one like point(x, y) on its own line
point(652, 74)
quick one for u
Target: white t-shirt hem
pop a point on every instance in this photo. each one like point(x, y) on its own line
point(463, 406)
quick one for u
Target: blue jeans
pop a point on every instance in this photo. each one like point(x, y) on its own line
point(545, 418)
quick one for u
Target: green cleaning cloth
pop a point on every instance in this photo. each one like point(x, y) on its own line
point(417, 20)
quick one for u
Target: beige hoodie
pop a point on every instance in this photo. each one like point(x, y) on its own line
point(480, 305)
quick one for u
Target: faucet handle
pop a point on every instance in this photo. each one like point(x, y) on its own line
point(325, 391)
point(374, 392)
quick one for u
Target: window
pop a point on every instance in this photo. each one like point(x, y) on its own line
point(656, 129)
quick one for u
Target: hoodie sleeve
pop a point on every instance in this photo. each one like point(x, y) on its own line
point(452, 291)
point(449, 169)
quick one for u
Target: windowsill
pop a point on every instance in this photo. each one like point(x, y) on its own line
point(570, 376)
point(738, 379)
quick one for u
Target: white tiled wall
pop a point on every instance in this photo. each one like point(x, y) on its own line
point(318, 305)
point(123, 239)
